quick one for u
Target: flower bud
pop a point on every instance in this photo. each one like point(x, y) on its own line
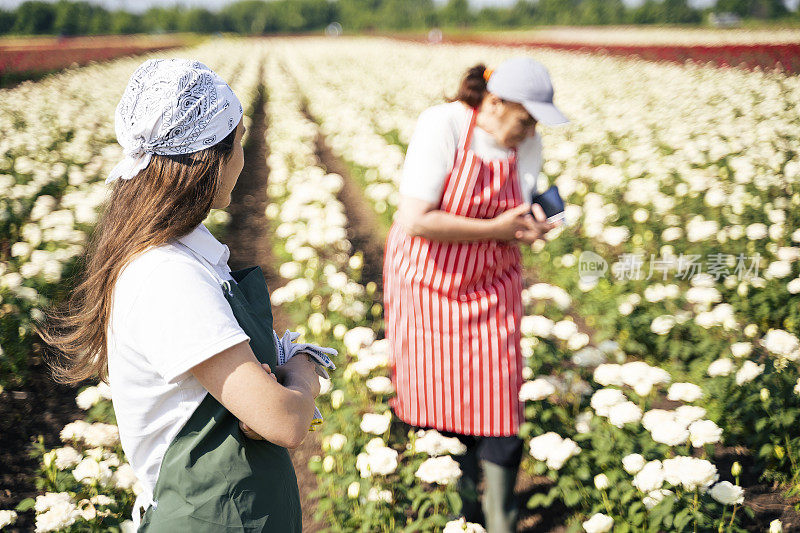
point(353, 490)
point(48, 458)
point(764, 394)
point(601, 481)
point(779, 452)
point(736, 469)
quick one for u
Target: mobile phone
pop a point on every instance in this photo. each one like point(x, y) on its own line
point(551, 202)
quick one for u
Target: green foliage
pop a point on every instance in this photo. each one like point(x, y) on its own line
point(67, 17)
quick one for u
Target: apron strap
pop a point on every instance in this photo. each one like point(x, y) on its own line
point(466, 134)
point(226, 284)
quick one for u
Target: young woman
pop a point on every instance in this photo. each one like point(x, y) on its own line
point(452, 273)
point(205, 415)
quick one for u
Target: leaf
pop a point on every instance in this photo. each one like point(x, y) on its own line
point(26, 505)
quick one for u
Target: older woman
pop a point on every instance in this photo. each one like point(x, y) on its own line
point(452, 272)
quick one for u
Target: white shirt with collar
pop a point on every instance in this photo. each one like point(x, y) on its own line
point(168, 315)
point(431, 152)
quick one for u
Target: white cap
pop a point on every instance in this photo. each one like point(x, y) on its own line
point(526, 81)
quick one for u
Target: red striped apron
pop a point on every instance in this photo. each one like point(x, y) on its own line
point(452, 310)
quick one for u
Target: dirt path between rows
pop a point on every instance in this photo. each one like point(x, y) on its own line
point(249, 237)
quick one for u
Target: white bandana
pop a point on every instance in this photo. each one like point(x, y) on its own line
point(170, 107)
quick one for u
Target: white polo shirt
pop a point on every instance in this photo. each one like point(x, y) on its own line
point(168, 315)
point(432, 149)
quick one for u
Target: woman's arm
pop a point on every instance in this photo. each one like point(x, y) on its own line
point(423, 219)
point(280, 413)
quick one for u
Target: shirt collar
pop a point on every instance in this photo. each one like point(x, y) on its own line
point(201, 240)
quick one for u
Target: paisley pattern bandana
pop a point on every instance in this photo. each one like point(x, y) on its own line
point(171, 107)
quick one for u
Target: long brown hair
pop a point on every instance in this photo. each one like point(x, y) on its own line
point(472, 88)
point(171, 196)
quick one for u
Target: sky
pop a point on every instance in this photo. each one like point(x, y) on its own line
point(141, 5)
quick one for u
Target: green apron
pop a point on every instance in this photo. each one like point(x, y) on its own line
point(212, 477)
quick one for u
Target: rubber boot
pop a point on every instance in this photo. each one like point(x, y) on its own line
point(468, 486)
point(499, 502)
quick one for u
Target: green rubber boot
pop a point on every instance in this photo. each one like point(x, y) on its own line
point(499, 502)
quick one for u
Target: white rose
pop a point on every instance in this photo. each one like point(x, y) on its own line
point(632, 463)
point(353, 489)
point(558, 456)
point(654, 497)
point(88, 397)
point(687, 414)
point(598, 523)
point(684, 392)
point(661, 325)
point(564, 329)
point(462, 526)
point(59, 516)
point(441, 470)
point(536, 325)
point(434, 444)
point(776, 526)
point(380, 385)
point(690, 472)
point(89, 471)
point(124, 478)
point(756, 231)
point(655, 417)
point(703, 432)
point(624, 413)
point(748, 372)
point(793, 286)
point(380, 461)
point(782, 343)
point(67, 457)
point(535, 390)
point(778, 269)
point(650, 477)
point(720, 367)
point(670, 432)
point(376, 424)
point(357, 338)
point(336, 441)
point(376, 495)
point(608, 374)
point(741, 349)
point(603, 399)
point(583, 420)
point(7, 518)
point(727, 493)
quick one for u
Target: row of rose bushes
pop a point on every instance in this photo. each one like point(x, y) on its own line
point(87, 485)
point(52, 203)
point(57, 144)
point(737, 341)
point(372, 476)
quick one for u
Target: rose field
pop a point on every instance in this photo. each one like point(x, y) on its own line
point(660, 336)
point(21, 58)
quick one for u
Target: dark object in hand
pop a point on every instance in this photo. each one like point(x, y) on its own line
point(551, 202)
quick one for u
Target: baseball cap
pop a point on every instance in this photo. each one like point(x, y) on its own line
point(526, 81)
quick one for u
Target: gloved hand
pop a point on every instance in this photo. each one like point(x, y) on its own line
point(287, 349)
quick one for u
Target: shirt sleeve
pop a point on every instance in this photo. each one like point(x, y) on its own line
point(530, 165)
point(429, 157)
point(180, 317)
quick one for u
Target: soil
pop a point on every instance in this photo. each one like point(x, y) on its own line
point(41, 407)
point(248, 236)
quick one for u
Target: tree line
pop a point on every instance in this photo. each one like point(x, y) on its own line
point(249, 17)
